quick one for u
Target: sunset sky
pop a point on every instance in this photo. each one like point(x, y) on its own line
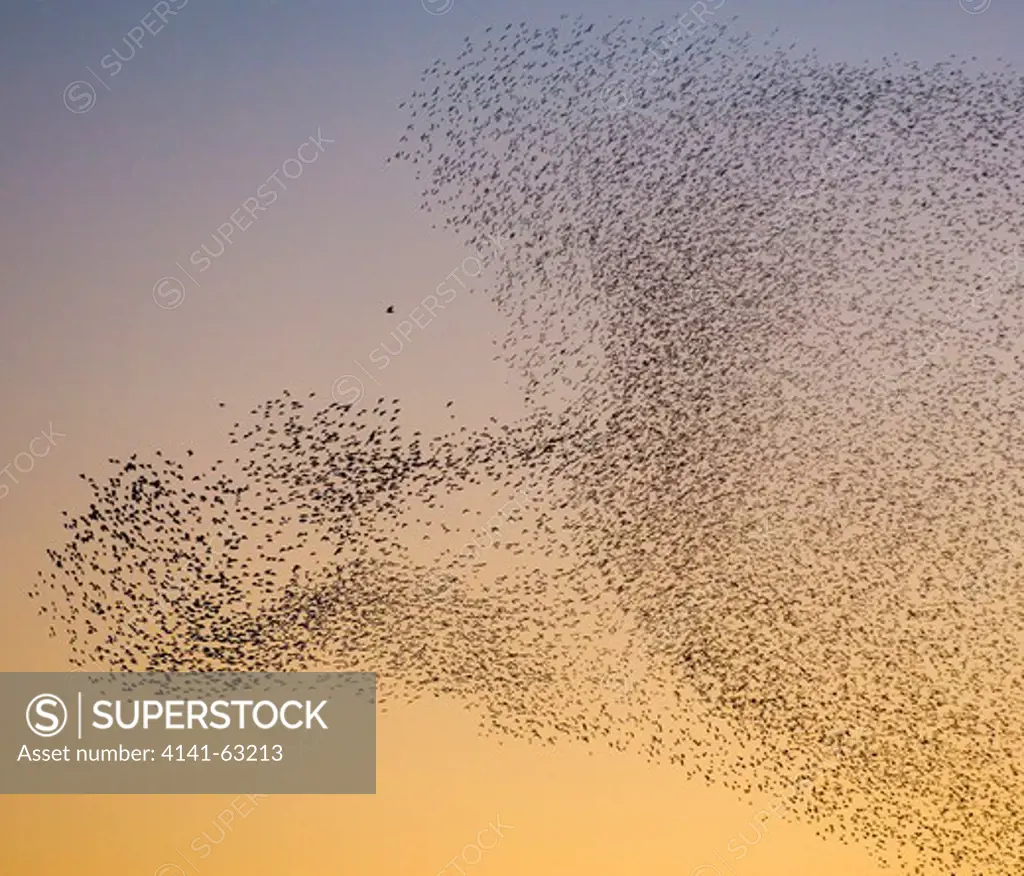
point(101, 205)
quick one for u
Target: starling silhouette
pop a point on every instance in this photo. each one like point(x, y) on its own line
point(761, 516)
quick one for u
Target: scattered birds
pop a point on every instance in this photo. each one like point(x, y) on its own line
point(767, 314)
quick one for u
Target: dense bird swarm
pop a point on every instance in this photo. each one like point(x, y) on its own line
point(767, 312)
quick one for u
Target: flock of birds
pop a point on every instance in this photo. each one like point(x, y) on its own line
point(767, 313)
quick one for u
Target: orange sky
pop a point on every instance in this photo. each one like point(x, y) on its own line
point(101, 206)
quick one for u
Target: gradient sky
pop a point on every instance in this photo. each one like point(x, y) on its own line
point(100, 205)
